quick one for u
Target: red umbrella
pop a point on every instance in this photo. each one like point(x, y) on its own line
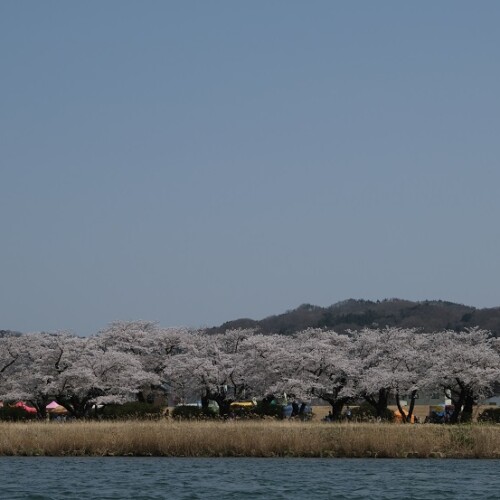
point(24, 406)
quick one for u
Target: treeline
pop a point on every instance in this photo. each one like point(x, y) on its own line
point(429, 316)
point(128, 359)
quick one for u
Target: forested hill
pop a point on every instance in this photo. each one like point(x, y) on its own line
point(9, 333)
point(430, 316)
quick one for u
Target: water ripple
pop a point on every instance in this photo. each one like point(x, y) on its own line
point(43, 478)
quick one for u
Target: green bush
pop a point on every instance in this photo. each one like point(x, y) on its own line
point(15, 414)
point(490, 415)
point(267, 409)
point(131, 410)
point(187, 412)
point(366, 412)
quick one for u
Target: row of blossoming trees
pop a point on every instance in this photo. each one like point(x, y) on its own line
point(373, 365)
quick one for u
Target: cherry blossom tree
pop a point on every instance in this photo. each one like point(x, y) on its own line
point(124, 359)
point(374, 377)
point(212, 366)
point(10, 354)
point(152, 345)
point(317, 363)
point(391, 363)
point(263, 365)
point(41, 360)
point(77, 372)
point(467, 365)
point(99, 375)
point(411, 365)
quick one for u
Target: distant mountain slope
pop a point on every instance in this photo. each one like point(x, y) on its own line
point(429, 315)
point(9, 333)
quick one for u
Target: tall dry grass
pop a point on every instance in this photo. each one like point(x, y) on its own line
point(249, 439)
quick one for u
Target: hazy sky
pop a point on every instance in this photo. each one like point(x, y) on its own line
point(193, 162)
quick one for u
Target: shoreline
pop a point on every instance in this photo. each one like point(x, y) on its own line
point(265, 438)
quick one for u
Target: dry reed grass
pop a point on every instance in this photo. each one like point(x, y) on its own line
point(249, 439)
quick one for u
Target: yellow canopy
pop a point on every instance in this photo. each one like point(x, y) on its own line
point(58, 410)
point(242, 404)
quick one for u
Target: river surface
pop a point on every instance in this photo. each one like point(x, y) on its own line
point(44, 478)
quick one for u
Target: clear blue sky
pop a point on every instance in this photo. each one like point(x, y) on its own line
point(193, 162)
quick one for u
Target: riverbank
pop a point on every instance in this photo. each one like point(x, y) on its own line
point(248, 439)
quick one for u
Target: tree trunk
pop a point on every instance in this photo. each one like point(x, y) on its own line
point(379, 404)
point(400, 408)
point(458, 402)
point(219, 398)
point(413, 399)
point(41, 406)
point(468, 408)
point(337, 407)
point(78, 408)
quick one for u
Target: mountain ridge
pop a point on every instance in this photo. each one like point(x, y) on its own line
point(354, 314)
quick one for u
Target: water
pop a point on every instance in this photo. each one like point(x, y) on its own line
point(45, 478)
